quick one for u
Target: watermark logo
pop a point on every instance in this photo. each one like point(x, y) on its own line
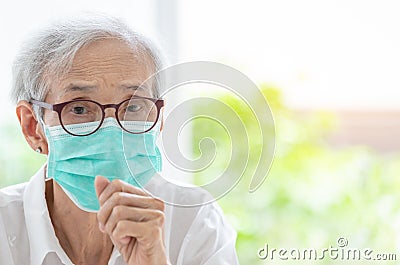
point(235, 82)
point(339, 252)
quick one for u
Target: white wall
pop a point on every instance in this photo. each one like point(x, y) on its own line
point(329, 54)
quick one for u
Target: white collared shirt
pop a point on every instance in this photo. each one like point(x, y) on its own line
point(197, 235)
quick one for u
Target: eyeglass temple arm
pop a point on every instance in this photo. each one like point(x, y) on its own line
point(41, 104)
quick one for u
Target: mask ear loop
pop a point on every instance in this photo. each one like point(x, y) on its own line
point(39, 149)
point(41, 122)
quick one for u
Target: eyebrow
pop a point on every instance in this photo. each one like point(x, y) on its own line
point(89, 88)
point(138, 88)
point(73, 87)
point(132, 87)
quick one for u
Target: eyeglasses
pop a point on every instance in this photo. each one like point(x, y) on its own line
point(142, 112)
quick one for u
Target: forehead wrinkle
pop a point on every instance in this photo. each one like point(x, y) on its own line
point(101, 68)
point(106, 54)
point(103, 64)
point(109, 63)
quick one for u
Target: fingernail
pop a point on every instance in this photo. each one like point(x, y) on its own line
point(102, 228)
point(125, 240)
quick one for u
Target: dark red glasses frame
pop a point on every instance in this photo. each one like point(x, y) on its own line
point(59, 107)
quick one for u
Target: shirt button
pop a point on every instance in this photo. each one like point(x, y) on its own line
point(11, 240)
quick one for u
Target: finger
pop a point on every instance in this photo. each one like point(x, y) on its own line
point(100, 184)
point(127, 249)
point(132, 214)
point(146, 233)
point(133, 200)
point(122, 186)
point(128, 200)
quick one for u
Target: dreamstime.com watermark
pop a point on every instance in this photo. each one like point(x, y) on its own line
point(339, 252)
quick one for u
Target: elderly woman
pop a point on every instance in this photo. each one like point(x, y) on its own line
point(81, 102)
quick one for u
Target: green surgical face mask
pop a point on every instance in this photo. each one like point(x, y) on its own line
point(75, 161)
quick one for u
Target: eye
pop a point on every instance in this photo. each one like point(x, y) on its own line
point(134, 108)
point(79, 110)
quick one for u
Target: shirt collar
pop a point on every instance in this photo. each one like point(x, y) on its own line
point(41, 234)
point(42, 237)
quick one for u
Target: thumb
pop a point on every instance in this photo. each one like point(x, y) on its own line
point(100, 183)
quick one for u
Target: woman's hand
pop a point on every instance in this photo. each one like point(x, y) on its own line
point(133, 220)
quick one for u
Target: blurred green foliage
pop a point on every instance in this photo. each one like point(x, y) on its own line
point(314, 193)
point(18, 162)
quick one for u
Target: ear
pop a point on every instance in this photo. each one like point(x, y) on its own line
point(30, 126)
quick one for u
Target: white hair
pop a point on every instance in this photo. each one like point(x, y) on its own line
point(53, 49)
